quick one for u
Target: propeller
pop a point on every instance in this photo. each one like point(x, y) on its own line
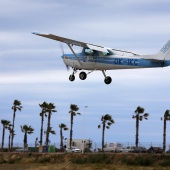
point(62, 50)
point(61, 47)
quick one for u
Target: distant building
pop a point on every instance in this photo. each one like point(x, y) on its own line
point(112, 146)
point(78, 143)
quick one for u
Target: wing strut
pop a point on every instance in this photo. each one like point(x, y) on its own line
point(74, 53)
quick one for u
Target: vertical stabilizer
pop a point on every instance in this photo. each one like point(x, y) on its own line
point(164, 54)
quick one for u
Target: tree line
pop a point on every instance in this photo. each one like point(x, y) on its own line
point(46, 112)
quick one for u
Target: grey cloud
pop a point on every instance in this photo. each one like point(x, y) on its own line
point(32, 70)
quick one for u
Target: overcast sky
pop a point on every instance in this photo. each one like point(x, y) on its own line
point(32, 71)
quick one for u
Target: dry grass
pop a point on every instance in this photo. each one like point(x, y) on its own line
point(58, 161)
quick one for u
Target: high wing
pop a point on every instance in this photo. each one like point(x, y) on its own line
point(72, 42)
point(78, 43)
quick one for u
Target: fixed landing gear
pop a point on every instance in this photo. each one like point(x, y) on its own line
point(72, 77)
point(107, 79)
point(82, 75)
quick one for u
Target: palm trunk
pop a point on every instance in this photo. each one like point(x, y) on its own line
point(25, 140)
point(61, 138)
point(13, 129)
point(9, 141)
point(48, 128)
point(137, 130)
point(3, 136)
point(41, 131)
point(103, 130)
point(71, 129)
point(164, 135)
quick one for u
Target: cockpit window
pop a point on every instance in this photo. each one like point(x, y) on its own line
point(89, 52)
point(110, 52)
point(105, 53)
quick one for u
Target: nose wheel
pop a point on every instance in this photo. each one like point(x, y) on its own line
point(72, 77)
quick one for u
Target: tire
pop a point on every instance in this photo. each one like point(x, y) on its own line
point(82, 75)
point(108, 80)
point(72, 78)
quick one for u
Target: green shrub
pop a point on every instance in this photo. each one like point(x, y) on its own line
point(142, 160)
point(44, 159)
point(93, 159)
point(165, 163)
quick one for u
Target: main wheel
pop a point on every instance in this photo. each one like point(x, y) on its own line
point(71, 77)
point(82, 75)
point(108, 80)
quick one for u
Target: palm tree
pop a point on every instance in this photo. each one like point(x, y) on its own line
point(62, 127)
point(165, 118)
point(73, 112)
point(5, 124)
point(49, 131)
point(42, 114)
point(139, 116)
point(50, 109)
point(106, 121)
point(26, 130)
point(16, 106)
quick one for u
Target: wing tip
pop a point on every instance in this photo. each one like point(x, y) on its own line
point(36, 33)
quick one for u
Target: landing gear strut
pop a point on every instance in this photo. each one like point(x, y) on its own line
point(107, 79)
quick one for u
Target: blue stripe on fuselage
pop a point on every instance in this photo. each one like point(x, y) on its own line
point(117, 61)
point(130, 62)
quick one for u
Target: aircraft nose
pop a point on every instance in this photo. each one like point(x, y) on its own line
point(62, 56)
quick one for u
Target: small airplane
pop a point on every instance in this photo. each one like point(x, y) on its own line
point(95, 57)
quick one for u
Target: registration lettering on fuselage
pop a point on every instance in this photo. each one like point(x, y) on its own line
point(120, 61)
point(115, 61)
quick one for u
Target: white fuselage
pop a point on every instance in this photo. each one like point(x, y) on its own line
point(110, 62)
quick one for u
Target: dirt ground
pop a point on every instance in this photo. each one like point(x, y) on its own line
point(75, 167)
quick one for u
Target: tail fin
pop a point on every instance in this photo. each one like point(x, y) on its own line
point(164, 54)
